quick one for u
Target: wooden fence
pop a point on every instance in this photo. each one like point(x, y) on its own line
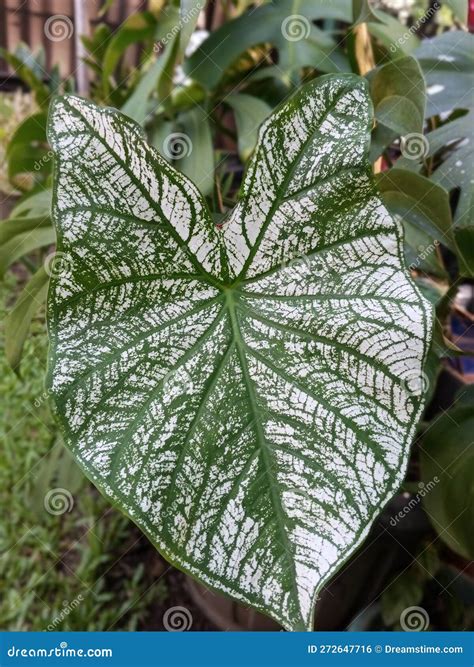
point(50, 25)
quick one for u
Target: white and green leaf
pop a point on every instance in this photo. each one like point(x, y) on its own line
point(248, 394)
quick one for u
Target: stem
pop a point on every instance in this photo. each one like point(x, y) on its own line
point(220, 204)
point(363, 49)
point(446, 303)
point(430, 162)
point(387, 158)
point(364, 55)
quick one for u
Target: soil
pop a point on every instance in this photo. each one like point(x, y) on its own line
point(178, 597)
point(158, 570)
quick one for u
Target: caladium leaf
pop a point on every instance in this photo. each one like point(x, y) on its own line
point(246, 394)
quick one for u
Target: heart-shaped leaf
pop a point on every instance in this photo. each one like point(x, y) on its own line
point(247, 395)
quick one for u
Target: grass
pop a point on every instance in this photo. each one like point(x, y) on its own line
point(82, 568)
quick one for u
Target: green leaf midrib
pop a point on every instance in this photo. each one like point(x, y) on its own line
point(283, 187)
point(266, 456)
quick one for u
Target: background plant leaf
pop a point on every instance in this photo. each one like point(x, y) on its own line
point(447, 62)
point(419, 201)
point(19, 318)
point(398, 93)
point(197, 161)
point(447, 461)
point(250, 112)
point(268, 23)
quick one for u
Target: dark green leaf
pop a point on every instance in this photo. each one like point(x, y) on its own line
point(194, 146)
point(284, 24)
point(28, 165)
point(398, 93)
point(136, 105)
point(418, 201)
point(31, 130)
point(421, 252)
point(137, 27)
point(19, 319)
point(447, 466)
point(447, 62)
point(250, 112)
point(395, 36)
point(456, 140)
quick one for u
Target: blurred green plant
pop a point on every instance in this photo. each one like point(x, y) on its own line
point(14, 108)
point(67, 551)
